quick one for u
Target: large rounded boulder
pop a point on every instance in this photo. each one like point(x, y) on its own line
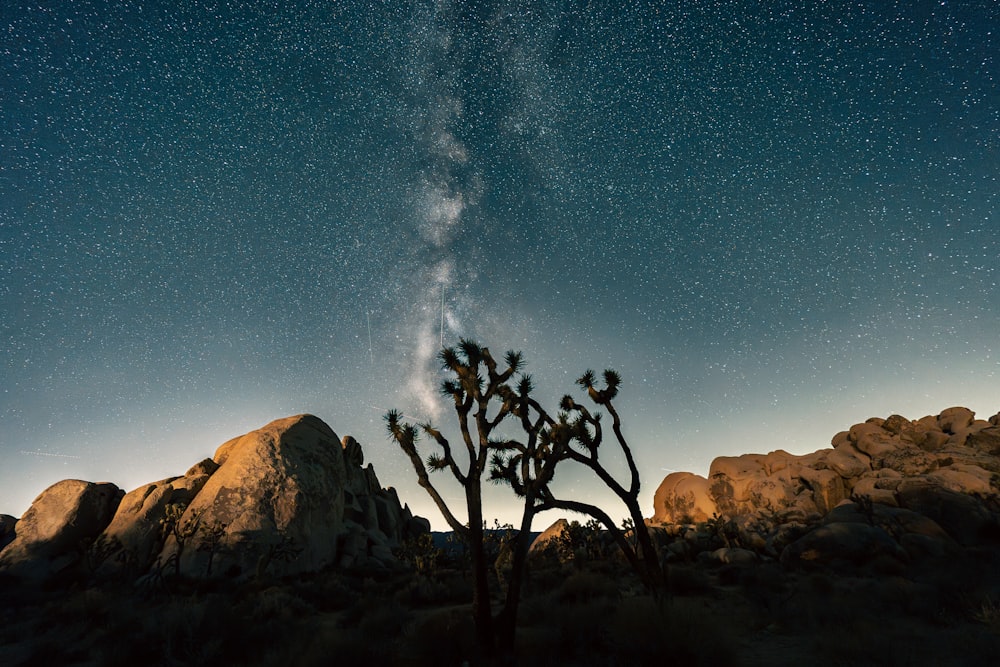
point(58, 527)
point(134, 534)
point(275, 504)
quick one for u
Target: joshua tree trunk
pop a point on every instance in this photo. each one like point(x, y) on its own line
point(506, 621)
point(651, 559)
point(482, 612)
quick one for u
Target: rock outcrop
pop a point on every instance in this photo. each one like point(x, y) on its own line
point(923, 486)
point(275, 502)
point(7, 524)
point(137, 525)
point(289, 497)
point(58, 527)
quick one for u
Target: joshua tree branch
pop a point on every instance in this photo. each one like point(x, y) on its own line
point(446, 447)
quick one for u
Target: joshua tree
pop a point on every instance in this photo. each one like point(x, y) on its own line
point(577, 435)
point(476, 384)
point(527, 465)
point(587, 434)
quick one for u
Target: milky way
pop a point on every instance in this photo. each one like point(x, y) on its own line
point(774, 220)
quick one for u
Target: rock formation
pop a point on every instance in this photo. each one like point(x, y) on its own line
point(922, 486)
point(7, 523)
point(554, 543)
point(137, 525)
point(58, 526)
point(289, 497)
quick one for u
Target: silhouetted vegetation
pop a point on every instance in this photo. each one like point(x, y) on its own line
point(484, 395)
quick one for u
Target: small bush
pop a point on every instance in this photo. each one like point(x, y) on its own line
point(440, 638)
point(587, 586)
point(688, 581)
point(424, 591)
point(647, 633)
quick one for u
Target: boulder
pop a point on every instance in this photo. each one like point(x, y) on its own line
point(136, 526)
point(826, 485)
point(729, 556)
point(871, 439)
point(895, 521)
point(955, 419)
point(354, 456)
point(963, 478)
point(964, 517)
point(936, 481)
point(838, 544)
point(683, 497)
point(7, 530)
point(732, 476)
point(415, 527)
point(909, 460)
point(846, 464)
point(985, 441)
point(775, 482)
point(353, 546)
point(60, 524)
point(276, 503)
point(876, 490)
point(382, 554)
point(389, 512)
point(553, 543)
point(186, 487)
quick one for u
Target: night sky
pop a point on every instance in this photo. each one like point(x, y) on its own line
point(775, 220)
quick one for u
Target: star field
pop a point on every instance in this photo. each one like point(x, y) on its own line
point(775, 221)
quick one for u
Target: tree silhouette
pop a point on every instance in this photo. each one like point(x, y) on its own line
point(577, 435)
point(475, 385)
point(483, 397)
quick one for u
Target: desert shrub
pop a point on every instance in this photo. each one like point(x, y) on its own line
point(567, 625)
point(586, 586)
point(376, 613)
point(382, 619)
point(767, 588)
point(987, 612)
point(91, 605)
point(55, 652)
point(823, 601)
point(439, 638)
point(541, 579)
point(688, 580)
point(421, 554)
point(194, 631)
point(279, 603)
point(644, 632)
point(324, 645)
point(872, 642)
point(443, 588)
point(327, 591)
point(818, 582)
point(627, 631)
point(552, 632)
point(730, 575)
